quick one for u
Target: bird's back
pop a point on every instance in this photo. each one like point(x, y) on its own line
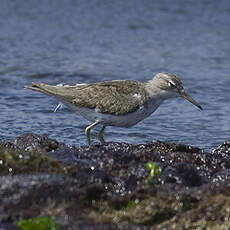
point(112, 97)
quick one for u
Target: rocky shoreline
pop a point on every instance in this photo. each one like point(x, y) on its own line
point(111, 186)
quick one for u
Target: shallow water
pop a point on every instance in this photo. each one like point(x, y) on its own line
point(87, 41)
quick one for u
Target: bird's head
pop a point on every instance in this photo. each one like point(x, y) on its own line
point(172, 86)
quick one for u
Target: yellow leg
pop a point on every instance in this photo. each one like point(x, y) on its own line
point(87, 131)
point(100, 135)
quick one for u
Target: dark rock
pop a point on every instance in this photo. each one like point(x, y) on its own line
point(8, 227)
point(30, 141)
point(24, 196)
point(106, 186)
point(182, 173)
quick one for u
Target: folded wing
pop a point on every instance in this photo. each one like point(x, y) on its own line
point(113, 97)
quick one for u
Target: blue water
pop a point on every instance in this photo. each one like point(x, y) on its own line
point(87, 41)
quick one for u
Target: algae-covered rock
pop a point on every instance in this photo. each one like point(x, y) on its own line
point(156, 185)
point(28, 154)
point(38, 223)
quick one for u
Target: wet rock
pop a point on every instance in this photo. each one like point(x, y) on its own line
point(30, 141)
point(106, 186)
point(183, 173)
point(23, 196)
point(223, 149)
point(28, 154)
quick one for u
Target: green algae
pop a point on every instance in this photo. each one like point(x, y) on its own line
point(133, 203)
point(154, 172)
point(38, 223)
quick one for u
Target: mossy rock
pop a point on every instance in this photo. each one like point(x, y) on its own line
point(14, 160)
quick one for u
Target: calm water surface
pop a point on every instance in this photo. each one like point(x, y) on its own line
point(79, 41)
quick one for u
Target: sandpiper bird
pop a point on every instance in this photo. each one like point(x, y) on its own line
point(121, 103)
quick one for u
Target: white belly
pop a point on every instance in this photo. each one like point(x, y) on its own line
point(127, 120)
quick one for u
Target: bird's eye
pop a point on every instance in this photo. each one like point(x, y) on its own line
point(170, 84)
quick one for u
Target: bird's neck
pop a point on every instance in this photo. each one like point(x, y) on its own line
point(155, 92)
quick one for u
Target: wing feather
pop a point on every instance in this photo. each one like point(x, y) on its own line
point(115, 97)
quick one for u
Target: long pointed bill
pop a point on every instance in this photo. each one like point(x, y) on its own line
point(190, 99)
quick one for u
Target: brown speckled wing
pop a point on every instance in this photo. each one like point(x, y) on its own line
point(114, 97)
